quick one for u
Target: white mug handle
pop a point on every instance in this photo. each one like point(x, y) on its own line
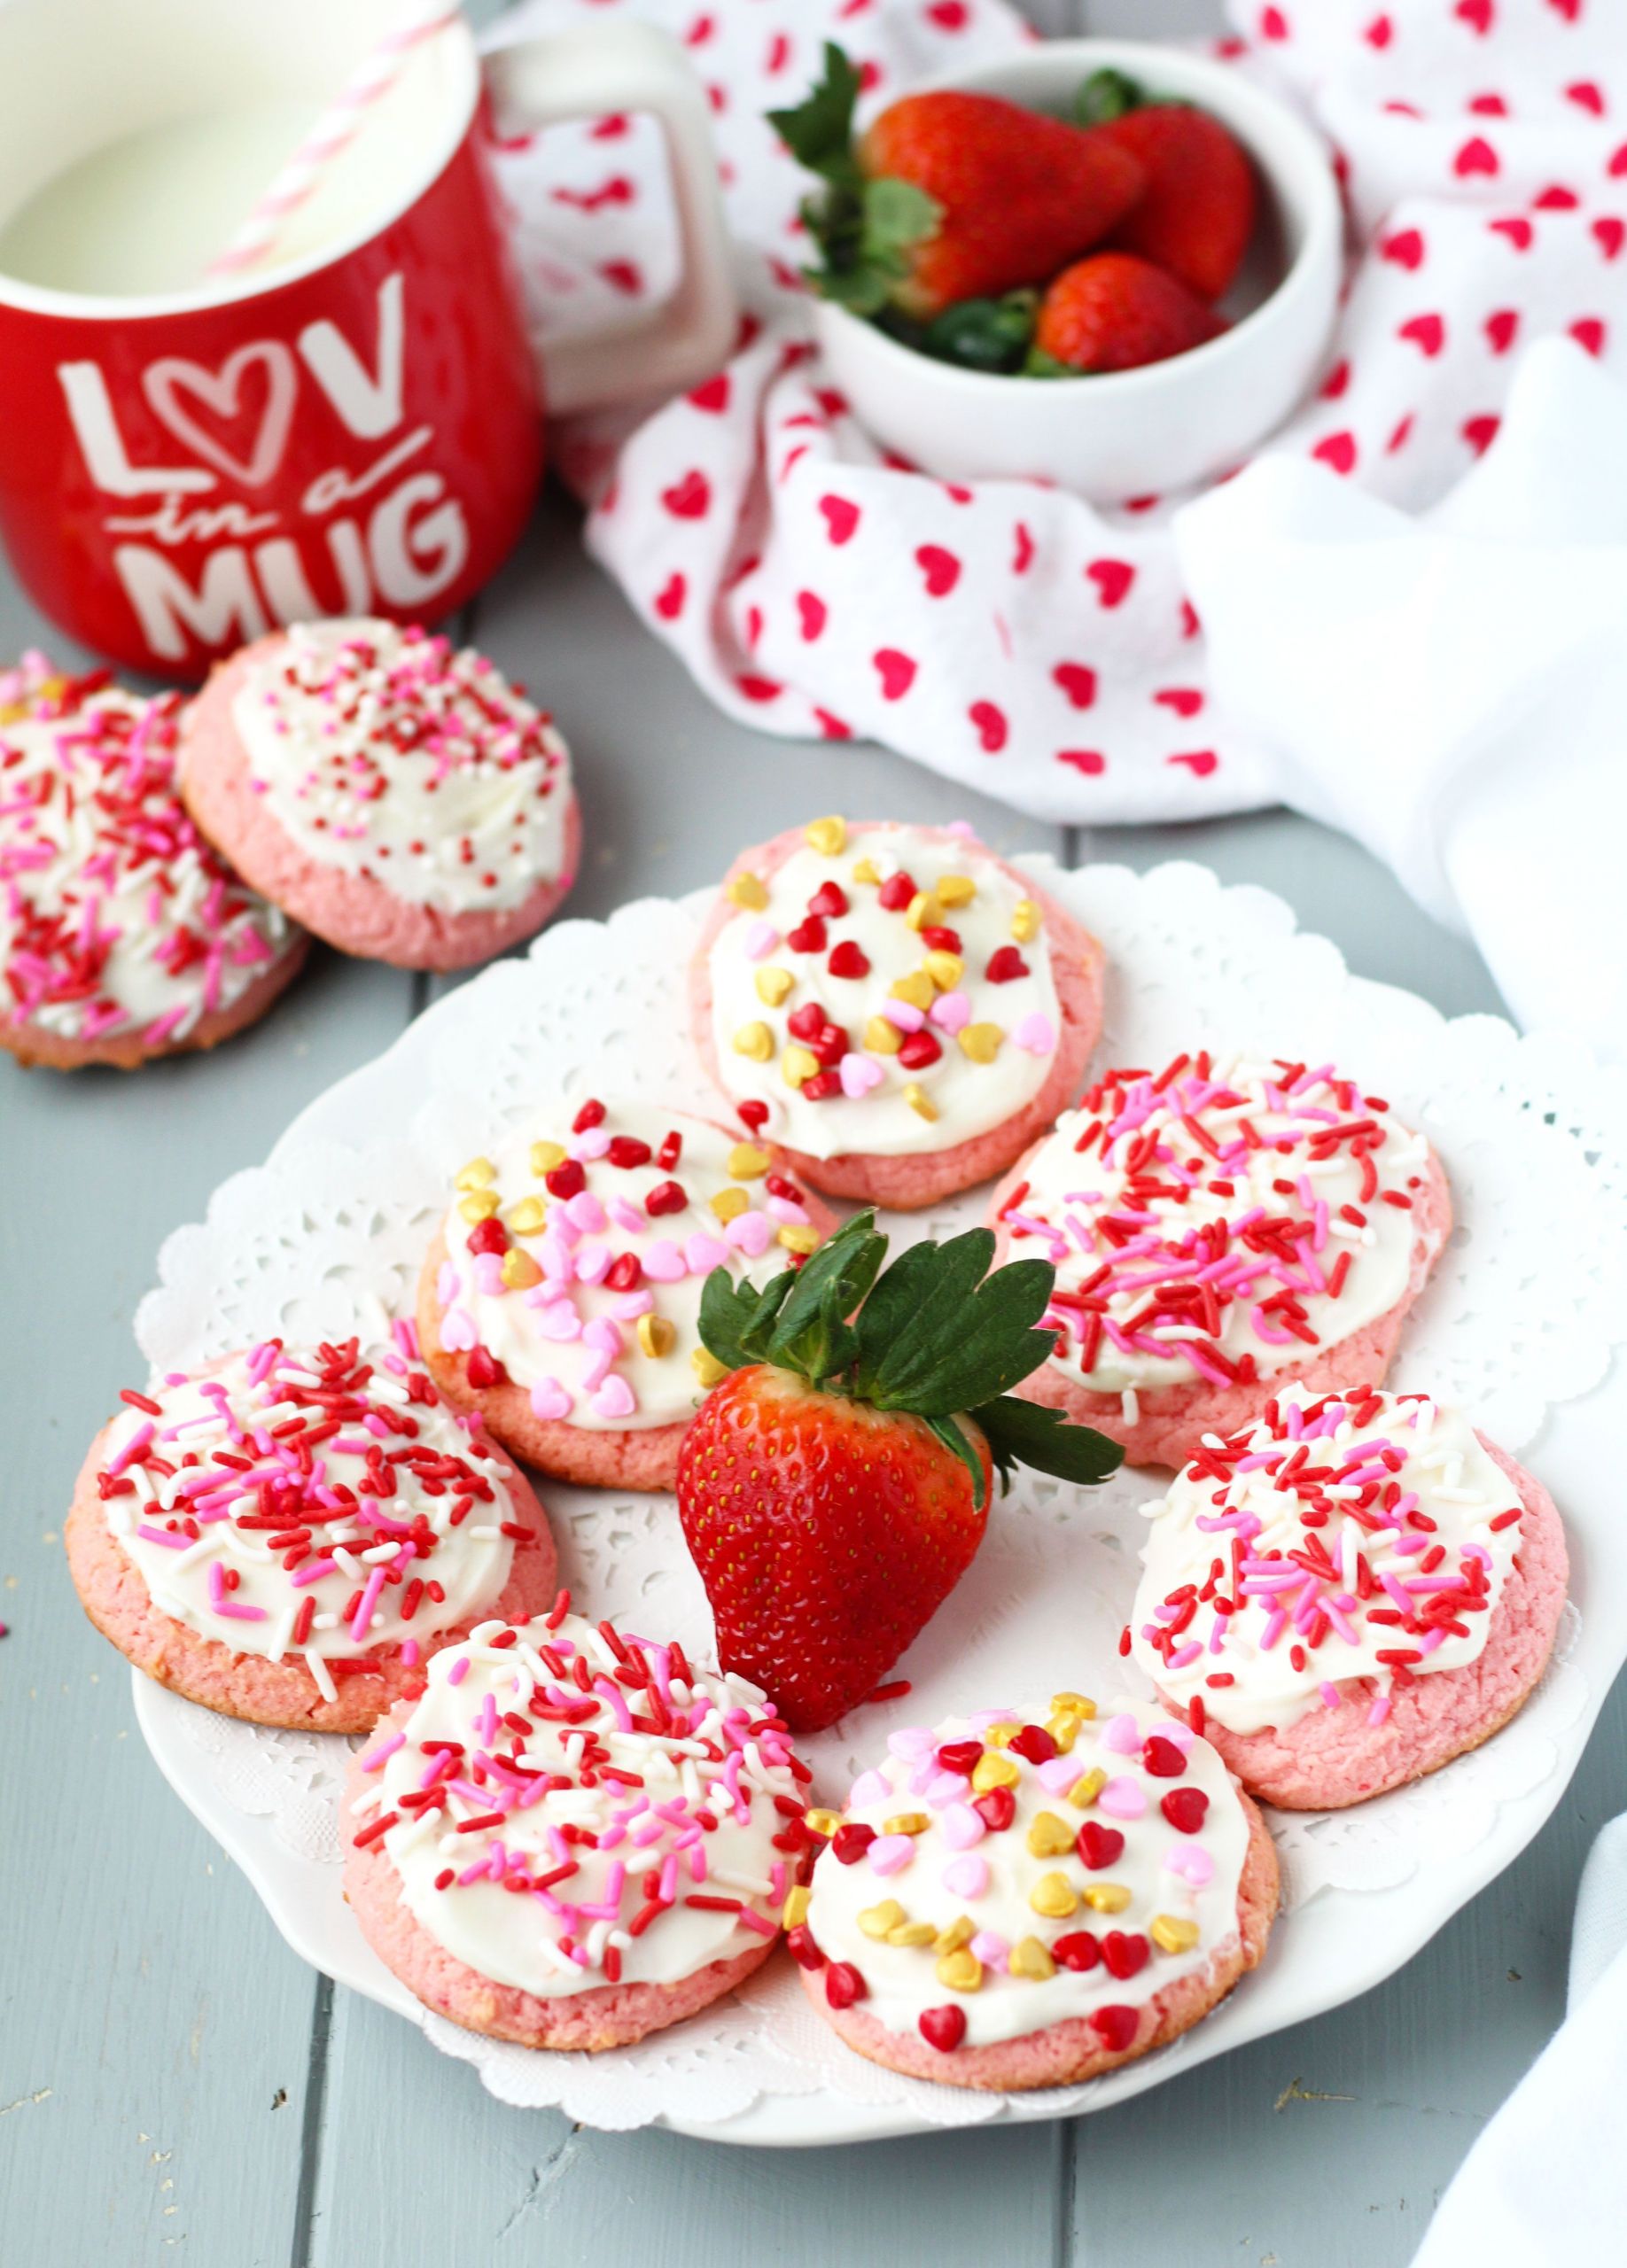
point(629, 67)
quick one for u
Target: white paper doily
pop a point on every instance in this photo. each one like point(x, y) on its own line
point(1519, 1322)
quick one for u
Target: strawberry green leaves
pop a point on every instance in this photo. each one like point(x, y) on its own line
point(936, 1336)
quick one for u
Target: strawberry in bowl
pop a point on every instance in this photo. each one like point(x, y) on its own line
point(834, 1487)
point(1089, 208)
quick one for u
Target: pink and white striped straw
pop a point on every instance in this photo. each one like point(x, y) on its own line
point(333, 134)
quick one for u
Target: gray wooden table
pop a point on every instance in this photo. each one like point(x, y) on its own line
point(173, 2081)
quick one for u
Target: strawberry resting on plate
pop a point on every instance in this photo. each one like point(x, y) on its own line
point(835, 1487)
point(949, 196)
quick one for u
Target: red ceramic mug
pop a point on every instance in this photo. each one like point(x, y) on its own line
point(357, 431)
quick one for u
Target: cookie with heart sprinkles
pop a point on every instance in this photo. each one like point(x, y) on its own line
point(1221, 1229)
point(1347, 1593)
point(898, 1009)
point(401, 798)
point(123, 935)
point(1011, 1901)
point(561, 1294)
point(573, 1837)
point(289, 1535)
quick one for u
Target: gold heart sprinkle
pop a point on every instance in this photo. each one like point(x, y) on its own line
point(916, 987)
point(864, 871)
point(828, 836)
point(823, 1823)
point(747, 1162)
point(1025, 921)
point(656, 1335)
point(1076, 1705)
point(1029, 1958)
point(995, 1772)
point(546, 1155)
point(1052, 1896)
point(706, 1366)
point(912, 1933)
point(798, 1064)
point(1049, 1836)
point(1064, 1730)
point(755, 1040)
point(961, 1971)
point(747, 890)
point(795, 1910)
point(959, 1932)
point(729, 1204)
point(773, 984)
point(1002, 1735)
point(520, 1271)
point(906, 1823)
point(479, 1205)
point(796, 1239)
point(1106, 1896)
point(1171, 1934)
point(876, 1921)
point(956, 890)
point(1087, 1787)
point(528, 1217)
point(923, 910)
point(882, 1037)
point(920, 1101)
point(945, 970)
point(981, 1042)
point(478, 1173)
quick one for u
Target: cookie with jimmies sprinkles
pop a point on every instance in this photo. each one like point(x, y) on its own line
point(289, 1535)
point(399, 797)
point(561, 1294)
point(1347, 1593)
point(1220, 1229)
point(897, 1008)
point(1011, 1901)
point(573, 1837)
point(123, 935)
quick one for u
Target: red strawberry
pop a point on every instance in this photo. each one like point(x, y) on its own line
point(1115, 312)
point(835, 1487)
point(1196, 215)
point(949, 196)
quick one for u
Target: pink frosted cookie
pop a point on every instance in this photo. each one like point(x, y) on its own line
point(1347, 1593)
point(897, 1008)
point(562, 1293)
point(573, 1837)
point(122, 936)
point(1218, 1231)
point(1011, 1904)
point(287, 1535)
point(402, 800)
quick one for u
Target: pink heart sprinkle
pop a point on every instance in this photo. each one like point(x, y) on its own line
point(1181, 1735)
point(593, 1263)
point(548, 1399)
point(752, 1233)
point(961, 1826)
point(1036, 1034)
point(911, 1741)
point(488, 1274)
point(560, 1322)
point(627, 1217)
point(782, 1208)
point(761, 938)
point(664, 1263)
point(603, 1334)
point(943, 1787)
point(595, 1372)
point(584, 1212)
point(991, 1950)
point(967, 1877)
point(1121, 1736)
point(588, 1145)
point(889, 1853)
point(1122, 1799)
point(449, 1283)
point(1191, 1863)
point(858, 1074)
point(870, 1788)
point(704, 1252)
point(631, 1305)
point(554, 1258)
point(951, 1012)
point(1058, 1775)
point(902, 1015)
point(615, 1398)
point(564, 1229)
point(457, 1329)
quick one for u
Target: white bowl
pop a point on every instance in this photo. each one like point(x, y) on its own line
point(1128, 432)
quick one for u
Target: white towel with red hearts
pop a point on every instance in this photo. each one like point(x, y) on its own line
point(1005, 635)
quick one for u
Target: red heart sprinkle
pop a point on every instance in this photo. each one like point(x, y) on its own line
point(943, 2027)
point(996, 1809)
point(940, 941)
point(844, 1985)
point(1078, 1950)
point(626, 1150)
point(807, 1021)
point(666, 1197)
point(850, 1841)
point(1161, 1758)
point(896, 893)
point(777, 1185)
point(623, 1273)
point(828, 1043)
point(1112, 579)
point(992, 730)
point(841, 516)
point(669, 599)
point(1032, 1743)
point(808, 937)
point(822, 1086)
point(1124, 1953)
point(688, 499)
point(1116, 2027)
point(1100, 1846)
point(670, 1150)
point(1006, 965)
point(848, 959)
point(488, 1236)
point(484, 1369)
point(941, 569)
point(959, 1756)
point(829, 899)
point(566, 1180)
point(754, 1114)
point(1184, 1809)
point(799, 1944)
point(917, 1049)
point(590, 1114)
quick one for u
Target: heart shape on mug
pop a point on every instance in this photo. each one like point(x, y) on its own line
point(220, 391)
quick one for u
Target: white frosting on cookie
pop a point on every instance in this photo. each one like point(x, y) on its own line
point(807, 1020)
point(1091, 1852)
point(385, 753)
point(289, 1503)
point(608, 1227)
point(1219, 1221)
point(1365, 1535)
point(115, 915)
point(641, 1767)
